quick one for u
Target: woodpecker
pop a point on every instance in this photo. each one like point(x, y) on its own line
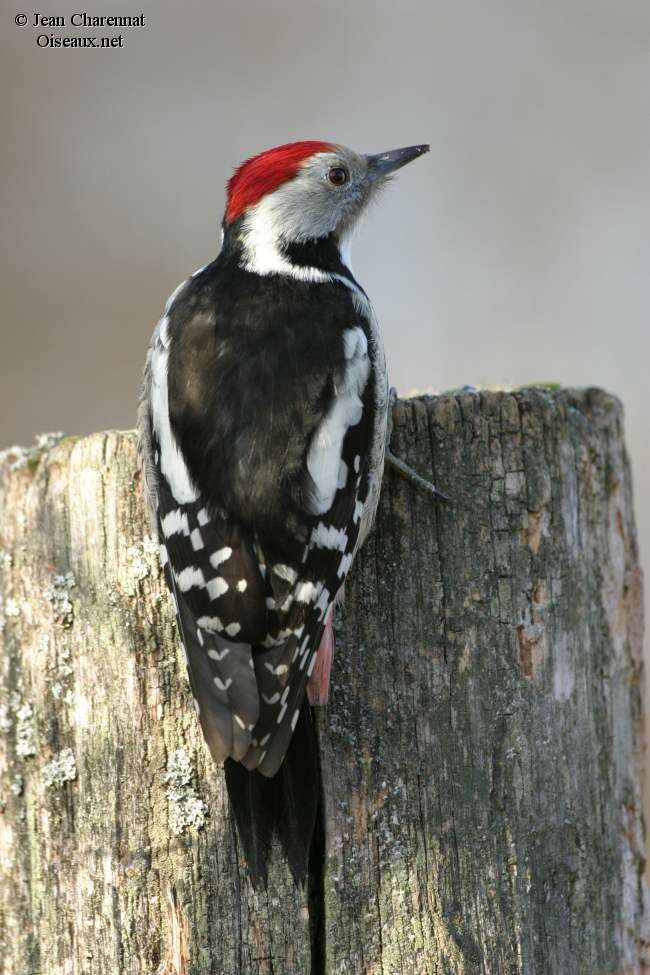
point(262, 431)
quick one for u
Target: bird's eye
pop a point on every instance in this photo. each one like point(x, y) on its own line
point(338, 175)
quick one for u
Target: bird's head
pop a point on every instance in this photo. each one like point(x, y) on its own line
point(304, 192)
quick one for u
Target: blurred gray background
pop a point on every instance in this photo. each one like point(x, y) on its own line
point(518, 251)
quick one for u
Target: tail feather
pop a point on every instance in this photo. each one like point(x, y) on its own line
point(253, 800)
point(285, 805)
point(300, 790)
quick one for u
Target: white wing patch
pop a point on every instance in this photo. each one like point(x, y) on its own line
point(355, 343)
point(324, 457)
point(175, 522)
point(327, 536)
point(189, 577)
point(172, 464)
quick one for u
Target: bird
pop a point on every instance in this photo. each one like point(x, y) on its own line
point(263, 424)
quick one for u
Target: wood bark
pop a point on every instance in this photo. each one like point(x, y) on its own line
point(481, 752)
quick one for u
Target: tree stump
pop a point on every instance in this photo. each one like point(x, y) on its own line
point(481, 752)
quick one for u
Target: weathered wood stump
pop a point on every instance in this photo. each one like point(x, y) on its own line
point(482, 749)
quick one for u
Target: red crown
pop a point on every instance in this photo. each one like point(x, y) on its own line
point(262, 174)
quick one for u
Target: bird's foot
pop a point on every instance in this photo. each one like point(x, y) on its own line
point(414, 477)
point(400, 466)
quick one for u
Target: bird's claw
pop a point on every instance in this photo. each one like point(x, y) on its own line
point(421, 482)
point(399, 465)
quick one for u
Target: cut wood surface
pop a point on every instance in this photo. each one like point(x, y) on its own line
point(481, 752)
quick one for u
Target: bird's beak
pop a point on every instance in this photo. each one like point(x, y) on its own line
point(385, 163)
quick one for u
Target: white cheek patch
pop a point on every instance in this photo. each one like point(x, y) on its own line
point(324, 457)
point(260, 235)
point(172, 465)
